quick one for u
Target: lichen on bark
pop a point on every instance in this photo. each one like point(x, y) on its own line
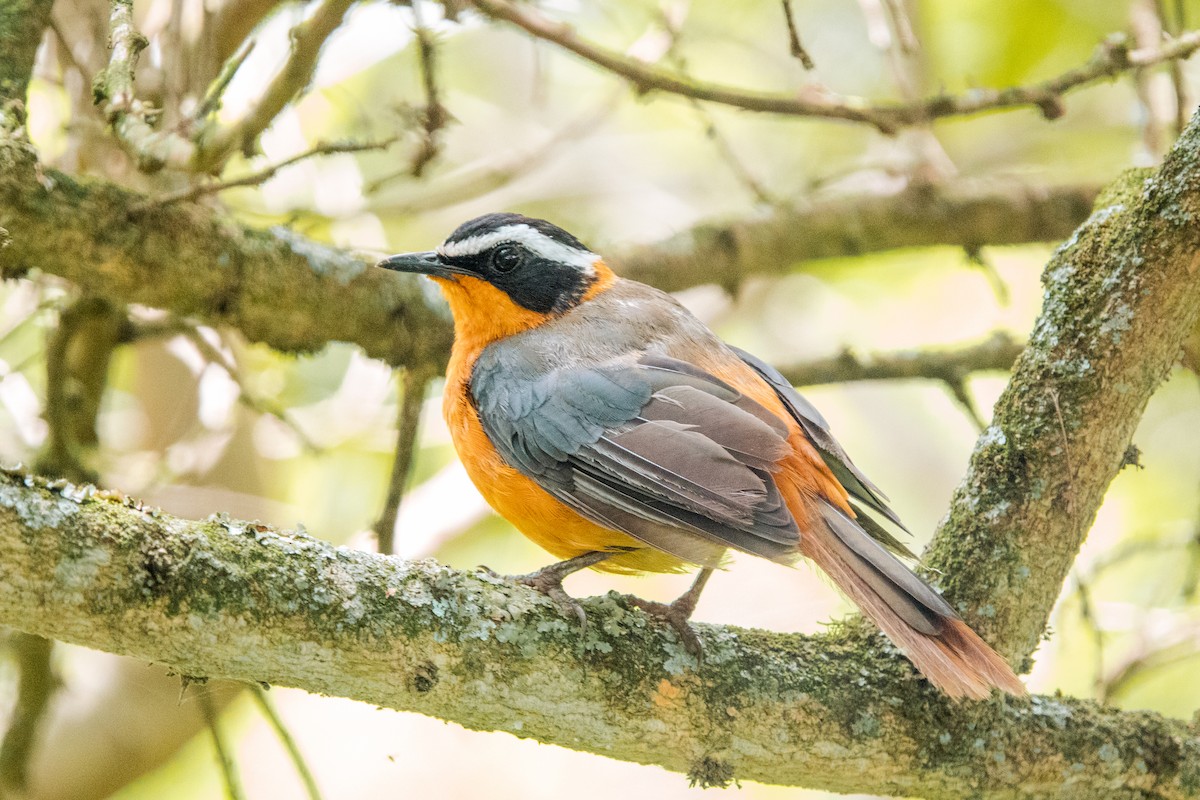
point(1120, 296)
point(241, 600)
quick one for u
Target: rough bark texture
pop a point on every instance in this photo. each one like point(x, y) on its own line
point(21, 26)
point(286, 291)
point(841, 711)
point(1120, 298)
point(240, 600)
point(275, 286)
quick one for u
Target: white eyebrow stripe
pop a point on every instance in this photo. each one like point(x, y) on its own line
point(534, 241)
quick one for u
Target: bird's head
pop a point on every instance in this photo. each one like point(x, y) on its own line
point(504, 273)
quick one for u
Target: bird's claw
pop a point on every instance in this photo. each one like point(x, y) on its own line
point(678, 616)
point(548, 581)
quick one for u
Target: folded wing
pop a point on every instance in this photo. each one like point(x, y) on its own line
point(657, 449)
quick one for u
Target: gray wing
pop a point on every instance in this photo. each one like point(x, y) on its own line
point(839, 463)
point(657, 449)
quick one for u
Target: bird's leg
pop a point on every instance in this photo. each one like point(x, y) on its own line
point(678, 613)
point(549, 580)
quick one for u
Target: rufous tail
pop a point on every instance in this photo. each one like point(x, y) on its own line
point(914, 616)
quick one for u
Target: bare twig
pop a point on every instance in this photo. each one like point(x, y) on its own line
point(413, 383)
point(1111, 58)
point(205, 147)
point(902, 27)
point(472, 182)
point(1148, 31)
point(1173, 24)
point(434, 116)
point(130, 117)
point(285, 737)
point(257, 404)
point(36, 684)
point(262, 176)
point(1087, 612)
point(212, 98)
point(794, 45)
point(997, 352)
point(225, 757)
point(1178, 646)
point(307, 40)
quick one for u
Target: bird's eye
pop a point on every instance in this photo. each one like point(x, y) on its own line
point(506, 258)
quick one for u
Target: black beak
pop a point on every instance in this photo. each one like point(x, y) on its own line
point(427, 263)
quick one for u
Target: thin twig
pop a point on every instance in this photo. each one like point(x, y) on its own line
point(957, 387)
point(471, 183)
point(289, 744)
point(1175, 68)
point(256, 178)
point(129, 117)
point(728, 155)
point(1087, 613)
point(225, 757)
point(902, 27)
point(1148, 30)
point(434, 116)
point(1111, 58)
point(257, 404)
point(64, 45)
point(997, 352)
point(413, 383)
point(211, 103)
point(36, 684)
point(308, 38)
point(797, 49)
point(1175, 647)
point(721, 142)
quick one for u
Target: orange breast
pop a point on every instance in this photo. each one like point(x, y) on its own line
point(537, 514)
point(483, 315)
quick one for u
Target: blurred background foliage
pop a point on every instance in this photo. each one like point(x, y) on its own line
point(197, 420)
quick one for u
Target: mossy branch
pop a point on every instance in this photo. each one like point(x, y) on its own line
point(244, 601)
point(274, 286)
point(296, 295)
point(21, 26)
point(1121, 296)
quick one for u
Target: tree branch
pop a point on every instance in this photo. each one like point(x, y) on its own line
point(839, 711)
point(1121, 296)
point(275, 286)
point(997, 352)
point(307, 38)
point(295, 295)
point(21, 26)
point(1111, 58)
point(204, 146)
point(966, 215)
point(240, 600)
point(189, 193)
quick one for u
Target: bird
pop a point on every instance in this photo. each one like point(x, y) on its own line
point(615, 430)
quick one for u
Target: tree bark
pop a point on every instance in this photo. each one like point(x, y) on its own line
point(295, 295)
point(244, 601)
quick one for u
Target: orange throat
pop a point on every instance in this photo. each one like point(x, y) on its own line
point(484, 314)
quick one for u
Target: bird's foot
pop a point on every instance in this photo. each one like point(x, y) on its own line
point(678, 616)
point(549, 581)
